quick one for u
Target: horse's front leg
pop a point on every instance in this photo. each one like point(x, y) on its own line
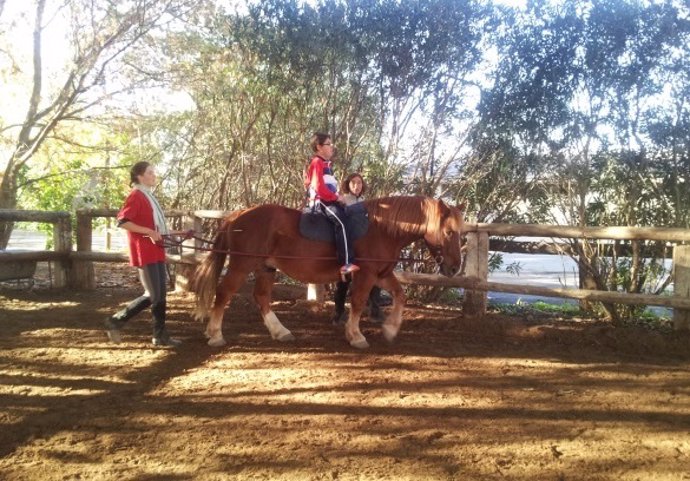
point(391, 326)
point(232, 281)
point(262, 295)
point(358, 300)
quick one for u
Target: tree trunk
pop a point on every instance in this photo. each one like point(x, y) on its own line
point(8, 200)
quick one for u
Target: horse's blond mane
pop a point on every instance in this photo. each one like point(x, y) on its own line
point(402, 216)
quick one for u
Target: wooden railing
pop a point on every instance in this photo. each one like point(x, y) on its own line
point(75, 268)
point(83, 258)
point(476, 271)
point(62, 241)
point(476, 284)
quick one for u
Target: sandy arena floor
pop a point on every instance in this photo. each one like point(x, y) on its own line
point(535, 398)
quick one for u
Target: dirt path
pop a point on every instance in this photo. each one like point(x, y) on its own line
point(453, 398)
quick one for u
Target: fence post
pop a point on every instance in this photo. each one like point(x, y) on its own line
point(316, 292)
point(681, 285)
point(477, 266)
point(62, 238)
point(184, 272)
point(83, 271)
point(585, 277)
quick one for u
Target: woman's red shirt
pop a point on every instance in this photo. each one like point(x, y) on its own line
point(142, 250)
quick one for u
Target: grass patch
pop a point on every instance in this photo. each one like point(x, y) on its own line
point(646, 319)
point(566, 309)
point(540, 307)
point(651, 320)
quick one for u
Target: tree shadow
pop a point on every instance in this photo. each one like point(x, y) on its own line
point(111, 389)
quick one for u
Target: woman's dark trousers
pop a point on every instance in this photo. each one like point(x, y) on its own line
point(153, 278)
point(340, 295)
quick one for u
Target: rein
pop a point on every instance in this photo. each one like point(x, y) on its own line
point(176, 239)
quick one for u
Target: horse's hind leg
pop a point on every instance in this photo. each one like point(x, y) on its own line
point(232, 281)
point(391, 326)
point(262, 295)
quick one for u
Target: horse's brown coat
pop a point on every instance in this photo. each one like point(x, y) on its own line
point(267, 237)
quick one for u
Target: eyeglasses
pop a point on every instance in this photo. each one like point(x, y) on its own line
point(328, 144)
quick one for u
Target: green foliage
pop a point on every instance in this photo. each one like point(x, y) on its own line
point(565, 309)
point(514, 268)
point(64, 178)
point(264, 80)
point(495, 261)
point(561, 112)
point(649, 320)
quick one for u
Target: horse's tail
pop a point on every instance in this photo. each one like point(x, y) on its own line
point(205, 280)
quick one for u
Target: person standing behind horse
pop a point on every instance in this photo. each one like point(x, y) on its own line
point(352, 189)
point(143, 219)
point(323, 195)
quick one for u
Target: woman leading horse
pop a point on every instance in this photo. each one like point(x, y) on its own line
point(265, 238)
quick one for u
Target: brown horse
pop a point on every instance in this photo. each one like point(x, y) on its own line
point(265, 238)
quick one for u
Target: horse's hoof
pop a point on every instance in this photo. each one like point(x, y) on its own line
point(287, 337)
point(218, 342)
point(360, 344)
point(389, 333)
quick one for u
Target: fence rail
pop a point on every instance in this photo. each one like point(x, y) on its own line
point(474, 283)
point(75, 267)
point(560, 231)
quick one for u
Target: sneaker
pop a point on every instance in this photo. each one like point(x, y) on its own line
point(113, 331)
point(349, 269)
point(166, 341)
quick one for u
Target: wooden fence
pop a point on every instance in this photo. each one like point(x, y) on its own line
point(62, 242)
point(475, 280)
point(75, 268)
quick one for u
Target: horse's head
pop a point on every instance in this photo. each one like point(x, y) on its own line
point(443, 239)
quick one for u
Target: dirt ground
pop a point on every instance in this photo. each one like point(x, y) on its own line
point(525, 398)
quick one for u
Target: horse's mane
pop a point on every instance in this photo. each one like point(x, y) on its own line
point(401, 216)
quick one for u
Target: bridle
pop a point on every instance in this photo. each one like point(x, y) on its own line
point(436, 251)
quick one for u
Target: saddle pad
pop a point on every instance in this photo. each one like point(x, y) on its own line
point(315, 226)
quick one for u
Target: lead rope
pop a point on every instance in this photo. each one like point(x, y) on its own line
point(175, 239)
